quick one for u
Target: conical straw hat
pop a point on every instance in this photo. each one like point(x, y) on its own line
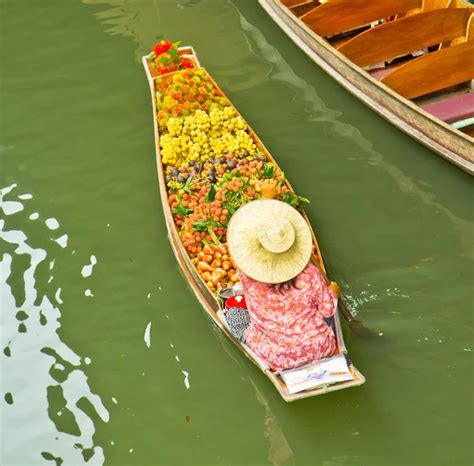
point(269, 241)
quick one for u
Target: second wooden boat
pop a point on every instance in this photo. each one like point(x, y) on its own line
point(208, 291)
point(409, 60)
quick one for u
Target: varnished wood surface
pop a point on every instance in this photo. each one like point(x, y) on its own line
point(337, 16)
point(406, 35)
point(429, 5)
point(292, 3)
point(433, 72)
point(440, 137)
point(469, 131)
point(300, 10)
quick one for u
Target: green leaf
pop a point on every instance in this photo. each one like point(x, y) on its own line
point(293, 199)
point(269, 170)
point(187, 185)
point(173, 53)
point(228, 176)
point(200, 226)
point(181, 210)
point(211, 194)
point(207, 225)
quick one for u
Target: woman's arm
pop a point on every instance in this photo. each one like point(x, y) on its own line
point(326, 295)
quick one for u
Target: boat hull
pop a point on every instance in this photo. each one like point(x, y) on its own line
point(453, 145)
point(208, 301)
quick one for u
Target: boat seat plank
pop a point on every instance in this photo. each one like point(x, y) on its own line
point(300, 10)
point(293, 3)
point(338, 16)
point(429, 5)
point(379, 73)
point(460, 107)
point(433, 72)
point(401, 37)
point(469, 131)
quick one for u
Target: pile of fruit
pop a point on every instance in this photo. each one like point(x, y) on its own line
point(166, 57)
point(181, 94)
point(205, 135)
point(213, 165)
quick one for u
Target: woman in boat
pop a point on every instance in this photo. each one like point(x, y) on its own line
point(287, 296)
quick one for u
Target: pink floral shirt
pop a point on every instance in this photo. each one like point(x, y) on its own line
point(286, 327)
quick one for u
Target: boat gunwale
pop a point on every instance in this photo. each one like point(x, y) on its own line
point(376, 94)
point(209, 302)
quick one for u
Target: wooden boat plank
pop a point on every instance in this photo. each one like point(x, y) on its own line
point(406, 35)
point(293, 3)
point(429, 5)
point(342, 15)
point(452, 109)
point(469, 130)
point(433, 72)
point(379, 73)
point(300, 10)
point(440, 137)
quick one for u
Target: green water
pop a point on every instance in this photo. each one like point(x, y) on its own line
point(115, 363)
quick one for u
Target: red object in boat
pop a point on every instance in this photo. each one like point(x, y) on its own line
point(236, 301)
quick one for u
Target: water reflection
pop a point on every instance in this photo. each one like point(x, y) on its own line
point(279, 452)
point(138, 20)
point(46, 391)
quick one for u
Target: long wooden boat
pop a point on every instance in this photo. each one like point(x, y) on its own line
point(409, 60)
point(208, 298)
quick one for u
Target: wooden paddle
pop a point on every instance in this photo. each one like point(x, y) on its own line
point(355, 324)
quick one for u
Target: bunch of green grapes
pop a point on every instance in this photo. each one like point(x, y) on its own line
point(201, 136)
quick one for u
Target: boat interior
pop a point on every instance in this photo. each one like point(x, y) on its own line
point(421, 49)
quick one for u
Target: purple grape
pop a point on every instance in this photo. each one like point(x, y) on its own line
point(174, 171)
point(180, 179)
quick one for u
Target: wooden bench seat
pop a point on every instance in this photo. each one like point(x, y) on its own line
point(293, 3)
point(337, 16)
point(300, 7)
point(433, 72)
point(401, 37)
point(379, 73)
point(460, 107)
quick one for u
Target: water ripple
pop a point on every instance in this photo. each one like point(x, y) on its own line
point(43, 382)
